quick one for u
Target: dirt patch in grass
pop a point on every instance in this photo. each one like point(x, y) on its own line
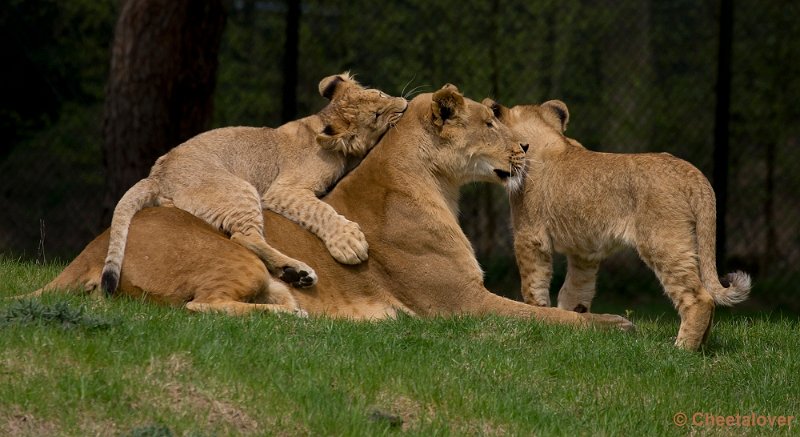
point(212, 411)
point(393, 405)
point(166, 378)
point(407, 414)
point(17, 423)
point(17, 362)
point(91, 425)
point(480, 427)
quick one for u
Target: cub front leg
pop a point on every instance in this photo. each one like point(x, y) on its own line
point(535, 261)
point(343, 238)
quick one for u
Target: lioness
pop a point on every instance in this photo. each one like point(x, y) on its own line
point(405, 197)
point(225, 177)
point(586, 204)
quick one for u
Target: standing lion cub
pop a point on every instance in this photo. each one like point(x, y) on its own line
point(586, 204)
point(225, 177)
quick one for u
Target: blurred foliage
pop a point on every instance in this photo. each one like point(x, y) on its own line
point(637, 75)
point(56, 52)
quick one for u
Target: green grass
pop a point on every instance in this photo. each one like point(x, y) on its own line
point(71, 365)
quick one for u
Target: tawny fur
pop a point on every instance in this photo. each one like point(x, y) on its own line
point(404, 195)
point(587, 204)
point(225, 177)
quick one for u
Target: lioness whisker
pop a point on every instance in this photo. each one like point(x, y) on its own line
point(414, 91)
point(419, 89)
point(403, 91)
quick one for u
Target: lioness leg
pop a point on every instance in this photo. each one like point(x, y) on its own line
point(235, 308)
point(580, 284)
point(486, 302)
point(535, 261)
point(233, 205)
point(675, 263)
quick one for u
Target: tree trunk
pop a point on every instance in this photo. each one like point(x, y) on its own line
point(160, 87)
point(291, 53)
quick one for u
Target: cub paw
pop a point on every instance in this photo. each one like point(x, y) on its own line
point(537, 299)
point(348, 245)
point(298, 278)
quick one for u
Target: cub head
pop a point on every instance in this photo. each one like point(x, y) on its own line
point(539, 125)
point(473, 145)
point(356, 117)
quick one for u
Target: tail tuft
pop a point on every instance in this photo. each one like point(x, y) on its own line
point(737, 289)
point(110, 280)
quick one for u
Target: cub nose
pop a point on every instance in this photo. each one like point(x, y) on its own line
point(524, 147)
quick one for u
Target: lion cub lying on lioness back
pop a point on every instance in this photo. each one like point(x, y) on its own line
point(225, 177)
point(586, 204)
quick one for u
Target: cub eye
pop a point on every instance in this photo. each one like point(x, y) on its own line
point(377, 114)
point(490, 123)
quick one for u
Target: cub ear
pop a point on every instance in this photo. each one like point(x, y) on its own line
point(336, 139)
point(498, 110)
point(556, 113)
point(330, 86)
point(447, 104)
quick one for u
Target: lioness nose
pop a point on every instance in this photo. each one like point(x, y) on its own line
point(524, 147)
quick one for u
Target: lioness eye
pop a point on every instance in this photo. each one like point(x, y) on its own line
point(377, 114)
point(489, 123)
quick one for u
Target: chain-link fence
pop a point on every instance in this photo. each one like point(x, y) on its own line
point(637, 75)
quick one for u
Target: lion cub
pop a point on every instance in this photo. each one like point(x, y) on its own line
point(226, 176)
point(586, 204)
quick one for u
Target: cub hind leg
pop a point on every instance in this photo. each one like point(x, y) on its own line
point(580, 284)
point(673, 258)
point(233, 205)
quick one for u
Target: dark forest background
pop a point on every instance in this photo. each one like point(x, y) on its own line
point(93, 91)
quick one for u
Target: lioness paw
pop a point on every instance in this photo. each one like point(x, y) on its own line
point(300, 277)
point(609, 321)
point(348, 245)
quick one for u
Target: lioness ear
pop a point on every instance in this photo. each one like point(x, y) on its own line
point(447, 103)
point(498, 110)
point(330, 86)
point(556, 113)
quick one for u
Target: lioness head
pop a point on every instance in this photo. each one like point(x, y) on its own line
point(537, 124)
point(473, 143)
point(356, 117)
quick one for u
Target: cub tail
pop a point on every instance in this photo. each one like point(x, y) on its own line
point(734, 287)
point(143, 194)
